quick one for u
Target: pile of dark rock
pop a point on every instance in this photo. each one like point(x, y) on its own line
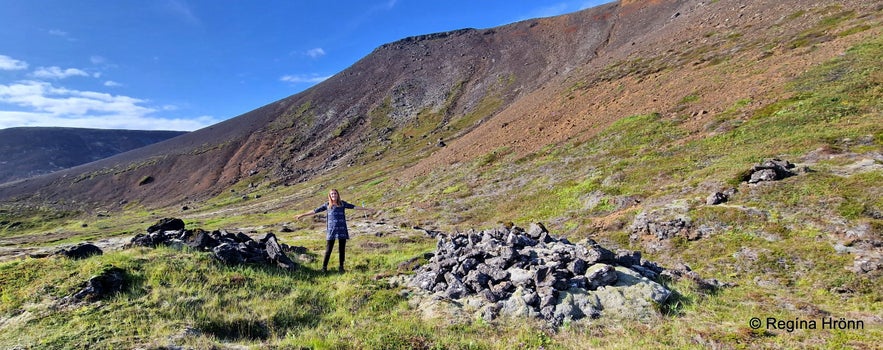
point(662, 224)
point(229, 248)
point(109, 281)
point(770, 170)
point(513, 272)
point(80, 251)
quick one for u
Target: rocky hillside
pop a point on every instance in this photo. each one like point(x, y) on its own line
point(438, 86)
point(29, 152)
point(522, 87)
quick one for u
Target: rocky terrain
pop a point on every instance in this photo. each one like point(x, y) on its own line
point(532, 274)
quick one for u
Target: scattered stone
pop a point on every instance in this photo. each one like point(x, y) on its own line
point(867, 264)
point(716, 198)
point(720, 197)
point(111, 281)
point(167, 224)
point(275, 252)
point(80, 251)
point(203, 241)
point(659, 225)
point(146, 180)
point(429, 232)
point(770, 170)
point(683, 271)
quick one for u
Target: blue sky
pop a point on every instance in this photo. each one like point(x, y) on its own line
point(187, 64)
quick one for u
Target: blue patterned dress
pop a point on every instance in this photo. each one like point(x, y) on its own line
point(336, 220)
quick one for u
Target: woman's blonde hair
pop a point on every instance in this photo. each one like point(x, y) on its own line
point(332, 203)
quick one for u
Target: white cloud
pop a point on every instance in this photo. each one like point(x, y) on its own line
point(57, 32)
point(296, 79)
point(111, 83)
point(43, 97)
point(560, 8)
point(10, 119)
point(9, 63)
point(58, 73)
point(35, 103)
point(182, 10)
point(549, 11)
point(316, 53)
point(97, 59)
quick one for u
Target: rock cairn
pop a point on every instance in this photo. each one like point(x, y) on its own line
point(229, 248)
point(771, 170)
point(510, 271)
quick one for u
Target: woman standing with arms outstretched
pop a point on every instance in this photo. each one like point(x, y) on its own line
point(336, 223)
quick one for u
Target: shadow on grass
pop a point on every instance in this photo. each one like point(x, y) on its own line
point(677, 302)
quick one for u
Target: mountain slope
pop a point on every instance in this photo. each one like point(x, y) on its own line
point(455, 79)
point(514, 91)
point(29, 152)
point(595, 66)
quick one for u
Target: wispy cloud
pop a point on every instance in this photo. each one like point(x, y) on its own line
point(9, 63)
point(296, 79)
point(58, 73)
point(58, 32)
point(111, 83)
point(62, 34)
point(561, 8)
point(316, 53)
point(36, 103)
point(182, 10)
point(551, 10)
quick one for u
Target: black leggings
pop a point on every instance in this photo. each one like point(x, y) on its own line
point(329, 246)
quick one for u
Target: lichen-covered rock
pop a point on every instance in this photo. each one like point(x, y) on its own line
point(632, 296)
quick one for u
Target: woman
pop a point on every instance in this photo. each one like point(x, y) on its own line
point(336, 223)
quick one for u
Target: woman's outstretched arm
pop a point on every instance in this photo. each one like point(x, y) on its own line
point(309, 213)
point(366, 209)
